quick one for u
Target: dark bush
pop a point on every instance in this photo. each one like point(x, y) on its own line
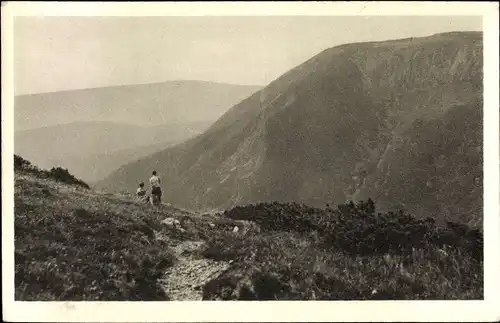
point(357, 229)
point(56, 173)
point(63, 175)
point(20, 163)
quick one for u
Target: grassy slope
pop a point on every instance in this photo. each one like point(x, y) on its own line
point(71, 244)
point(76, 244)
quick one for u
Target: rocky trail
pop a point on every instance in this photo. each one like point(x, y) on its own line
point(185, 279)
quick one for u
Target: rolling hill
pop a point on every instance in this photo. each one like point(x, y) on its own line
point(397, 120)
point(92, 150)
point(143, 104)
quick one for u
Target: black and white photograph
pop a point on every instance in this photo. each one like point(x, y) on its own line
point(246, 157)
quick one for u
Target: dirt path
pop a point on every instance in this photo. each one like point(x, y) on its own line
point(184, 281)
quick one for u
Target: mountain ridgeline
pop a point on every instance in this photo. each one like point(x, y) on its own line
point(399, 121)
point(173, 102)
point(112, 126)
point(103, 145)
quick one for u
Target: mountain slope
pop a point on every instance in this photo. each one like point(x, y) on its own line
point(76, 244)
point(334, 128)
point(92, 150)
point(143, 104)
point(437, 168)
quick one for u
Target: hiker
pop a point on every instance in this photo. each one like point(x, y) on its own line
point(141, 193)
point(155, 189)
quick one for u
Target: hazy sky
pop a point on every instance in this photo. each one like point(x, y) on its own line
point(58, 53)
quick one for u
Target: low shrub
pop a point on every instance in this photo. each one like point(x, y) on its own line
point(56, 173)
point(358, 230)
point(289, 266)
point(347, 253)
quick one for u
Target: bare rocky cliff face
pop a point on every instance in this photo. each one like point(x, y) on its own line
point(398, 121)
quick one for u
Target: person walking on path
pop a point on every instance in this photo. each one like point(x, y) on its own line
point(155, 189)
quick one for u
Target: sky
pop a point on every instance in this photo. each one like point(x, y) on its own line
point(62, 53)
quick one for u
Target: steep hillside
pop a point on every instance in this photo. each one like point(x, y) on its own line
point(340, 126)
point(436, 168)
point(92, 150)
point(76, 244)
point(109, 162)
point(143, 104)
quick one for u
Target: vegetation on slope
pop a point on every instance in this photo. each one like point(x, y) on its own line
point(73, 245)
point(357, 229)
point(57, 173)
point(348, 253)
point(80, 245)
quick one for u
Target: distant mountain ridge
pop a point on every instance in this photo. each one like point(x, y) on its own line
point(94, 131)
point(92, 150)
point(399, 121)
point(143, 104)
point(90, 88)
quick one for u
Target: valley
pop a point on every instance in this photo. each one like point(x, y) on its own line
point(397, 121)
